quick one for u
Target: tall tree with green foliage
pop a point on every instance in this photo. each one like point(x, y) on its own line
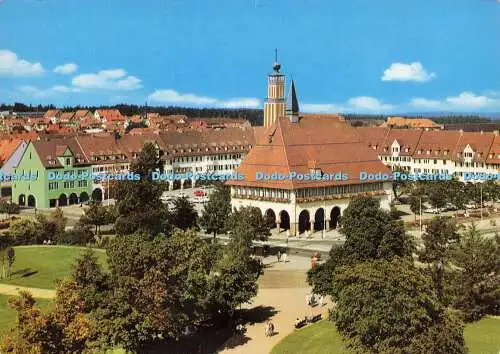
point(251, 218)
point(96, 215)
point(439, 238)
point(184, 215)
point(477, 262)
point(217, 211)
point(391, 307)
point(138, 204)
point(370, 234)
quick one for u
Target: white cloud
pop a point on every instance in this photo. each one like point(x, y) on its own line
point(407, 72)
point(425, 103)
point(241, 103)
point(469, 99)
point(116, 79)
point(174, 97)
point(66, 69)
point(36, 92)
point(466, 100)
point(320, 108)
point(366, 103)
point(10, 64)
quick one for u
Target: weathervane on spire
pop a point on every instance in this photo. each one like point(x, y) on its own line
point(276, 65)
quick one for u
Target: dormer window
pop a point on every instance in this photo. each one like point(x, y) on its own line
point(446, 152)
point(407, 150)
point(68, 161)
point(428, 152)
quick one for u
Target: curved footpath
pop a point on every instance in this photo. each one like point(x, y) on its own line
point(282, 292)
point(13, 290)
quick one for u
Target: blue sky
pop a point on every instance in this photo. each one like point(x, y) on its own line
point(367, 56)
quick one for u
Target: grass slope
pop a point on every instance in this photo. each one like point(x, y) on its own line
point(42, 266)
point(8, 315)
point(322, 338)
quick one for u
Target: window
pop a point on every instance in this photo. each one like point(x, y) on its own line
point(53, 186)
point(68, 161)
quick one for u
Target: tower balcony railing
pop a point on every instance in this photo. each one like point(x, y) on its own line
point(338, 196)
point(261, 198)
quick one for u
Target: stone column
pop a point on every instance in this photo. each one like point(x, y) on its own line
point(171, 185)
point(293, 229)
point(311, 222)
point(182, 184)
point(193, 182)
point(278, 226)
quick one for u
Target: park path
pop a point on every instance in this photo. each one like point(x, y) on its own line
point(13, 290)
point(282, 298)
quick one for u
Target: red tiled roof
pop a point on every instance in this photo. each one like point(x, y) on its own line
point(285, 147)
point(82, 113)
point(494, 153)
point(110, 114)
point(7, 148)
point(52, 113)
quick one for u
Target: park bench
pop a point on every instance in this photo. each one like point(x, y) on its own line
point(315, 318)
point(300, 324)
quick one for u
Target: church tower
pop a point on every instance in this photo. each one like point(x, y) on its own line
point(274, 107)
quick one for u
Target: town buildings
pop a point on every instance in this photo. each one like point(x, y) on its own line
point(292, 146)
point(456, 153)
point(183, 153)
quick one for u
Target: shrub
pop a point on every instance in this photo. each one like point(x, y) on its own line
point(77, 236)
point(8, 208)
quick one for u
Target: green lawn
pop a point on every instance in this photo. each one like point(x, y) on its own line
point(42, 266)
point(8, 315)
point(483, 337)
point(322, 338)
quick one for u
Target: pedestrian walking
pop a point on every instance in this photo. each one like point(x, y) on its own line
point(283, 257)
point(321, 300)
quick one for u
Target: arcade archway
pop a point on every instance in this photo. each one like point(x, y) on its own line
point(304, 221)
point(284, 220)
point(270, 218)
point(334, 217)
point(31, 201)
point(319, 219)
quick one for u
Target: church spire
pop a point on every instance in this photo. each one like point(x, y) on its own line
point(292, 107)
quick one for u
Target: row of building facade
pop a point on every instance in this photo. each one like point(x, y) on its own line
point(203, 152)
point(289, 144)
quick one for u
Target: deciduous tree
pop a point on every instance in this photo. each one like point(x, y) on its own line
point(439, 237)
point(217, 211)
point(477, 259)
point(391, 307)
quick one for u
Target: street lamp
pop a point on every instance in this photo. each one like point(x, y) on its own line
point(420, 216)
point(481, 188)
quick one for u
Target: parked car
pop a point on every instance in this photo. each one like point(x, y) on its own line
point(433, 210)
point(471, 206)
point(450, 207)
point(203, 199)
point(199, 193)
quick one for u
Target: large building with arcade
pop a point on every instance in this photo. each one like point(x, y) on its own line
point(303, 169)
